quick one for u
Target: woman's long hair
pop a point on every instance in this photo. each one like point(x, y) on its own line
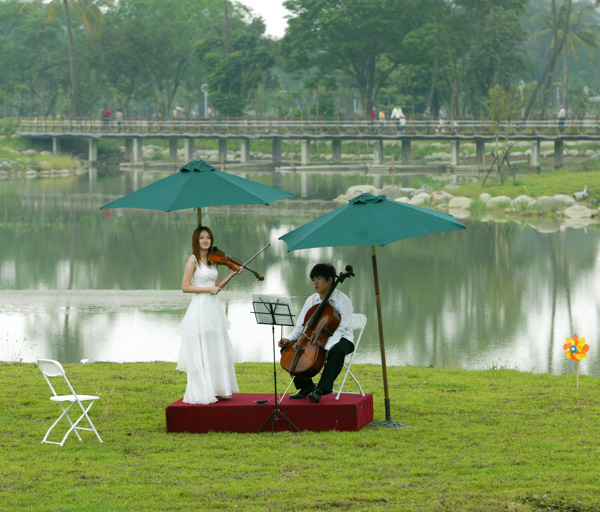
point(196, 241)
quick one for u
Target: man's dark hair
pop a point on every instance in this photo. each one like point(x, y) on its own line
point(326, 270)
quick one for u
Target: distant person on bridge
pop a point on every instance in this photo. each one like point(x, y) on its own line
point(443, 117)
point(562, 114)
point(106, 118)
point(382, 123)
point(398, 115)
point(119, 119)
point(427, 117)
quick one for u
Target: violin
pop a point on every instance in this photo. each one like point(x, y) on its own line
point(218, 257)
point(305, 357)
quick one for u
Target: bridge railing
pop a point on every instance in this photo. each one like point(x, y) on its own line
point(268, 127)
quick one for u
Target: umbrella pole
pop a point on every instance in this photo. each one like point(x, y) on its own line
point(388, 414)
point(199, 212)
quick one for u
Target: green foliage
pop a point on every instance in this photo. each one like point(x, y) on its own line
point(485, 440)
point(504, 105)
point(362, 39)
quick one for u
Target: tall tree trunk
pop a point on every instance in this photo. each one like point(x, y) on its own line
point(565, 84)
point(433, 81)
point(558, 46)
point(74, 89)
point(226, 18)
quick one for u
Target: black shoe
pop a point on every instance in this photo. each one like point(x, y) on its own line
point(303, 393)
point(315, 396)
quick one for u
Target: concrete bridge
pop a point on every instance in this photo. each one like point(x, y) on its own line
point(477, 131)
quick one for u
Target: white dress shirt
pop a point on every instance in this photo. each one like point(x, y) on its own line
point(341, 303)
point(397, 113)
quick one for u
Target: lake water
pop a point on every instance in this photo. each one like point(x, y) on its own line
point(79, 283)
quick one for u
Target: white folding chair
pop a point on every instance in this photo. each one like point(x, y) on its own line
point(51, 369)
point(359, 322)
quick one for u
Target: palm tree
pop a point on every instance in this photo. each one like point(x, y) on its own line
point(579, 34)
point(556, 45)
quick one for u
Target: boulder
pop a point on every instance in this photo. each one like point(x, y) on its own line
point(499, 202)
point(420, 199)
point(485, 197)
point(545, 204)
point(392, 191)
point(357, 190)
point(402, 200)
point(522, 201)
point(460, 202)
point(341, 199)
point(459, 213)
point(578, 211)
point(564, 200)
point(441, 196)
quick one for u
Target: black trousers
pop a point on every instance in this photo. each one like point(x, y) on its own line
point(332, 368)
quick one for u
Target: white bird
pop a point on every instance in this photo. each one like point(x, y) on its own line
point(578, 196)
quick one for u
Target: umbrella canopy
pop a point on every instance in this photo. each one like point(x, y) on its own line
point(198, 184)
point(369, 220)
point(375, 221)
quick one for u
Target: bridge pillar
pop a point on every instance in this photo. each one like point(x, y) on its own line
point(305, 151)
point(188, 149)
point(55, 145)
point(277, 153)
point(93, 150)
point(245, 151)
point(173, 149)
point(128, 149)
point(336, 150)
point(558, 153)
point(378, 152)
point(406, 151)
point(479, 153)
point(536, 153)
point(304, 184)
point(137, 149)
point(454, 152)
point(222, 150)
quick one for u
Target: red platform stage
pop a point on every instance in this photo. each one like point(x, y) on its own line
point(242, 414)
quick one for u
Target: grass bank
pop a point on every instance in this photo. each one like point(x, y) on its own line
point(479, 441)
point(561, 181)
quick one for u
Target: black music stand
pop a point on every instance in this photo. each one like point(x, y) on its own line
point(272, 310)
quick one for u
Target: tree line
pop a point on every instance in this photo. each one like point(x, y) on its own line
point(337, 57)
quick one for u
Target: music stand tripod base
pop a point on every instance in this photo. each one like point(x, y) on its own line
point(273, 310)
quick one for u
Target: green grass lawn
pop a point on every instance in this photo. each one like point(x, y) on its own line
point(479, 441)
point(561, 181)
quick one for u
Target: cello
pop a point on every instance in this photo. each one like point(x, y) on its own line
point(305, 357)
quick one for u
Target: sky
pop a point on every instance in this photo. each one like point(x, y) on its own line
point(273, 12)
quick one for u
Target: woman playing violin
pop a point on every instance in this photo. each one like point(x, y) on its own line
point(338, 345)
point(206, 353)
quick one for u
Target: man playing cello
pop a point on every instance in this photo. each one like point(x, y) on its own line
point(338, 345)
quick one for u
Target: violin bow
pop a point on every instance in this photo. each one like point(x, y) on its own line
point(228, 278)
point(257, 254)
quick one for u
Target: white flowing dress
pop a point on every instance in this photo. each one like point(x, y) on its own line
point(206, 353)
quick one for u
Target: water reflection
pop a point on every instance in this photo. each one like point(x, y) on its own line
point(80, 283)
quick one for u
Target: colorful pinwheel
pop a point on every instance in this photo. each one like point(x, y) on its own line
point(576, 348)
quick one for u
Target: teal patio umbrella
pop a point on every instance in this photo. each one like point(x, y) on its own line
point(198, 184)
point(372, 221)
